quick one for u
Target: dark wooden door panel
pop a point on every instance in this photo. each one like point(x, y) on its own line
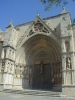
point(42, 81)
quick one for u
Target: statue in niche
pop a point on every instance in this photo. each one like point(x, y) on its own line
point(8, 68)
point(21, 71)
point(11, 69)
point(3, 66)
point(26, 71)
point(17, 71)
point(68, 63)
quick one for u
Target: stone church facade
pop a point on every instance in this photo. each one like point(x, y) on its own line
point(39, 55)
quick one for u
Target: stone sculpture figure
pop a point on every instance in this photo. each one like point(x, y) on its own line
point(8, 69)
point(21, 71)
point(68, 63)
point(11, 69)
point(3, 66)
point(17, 71)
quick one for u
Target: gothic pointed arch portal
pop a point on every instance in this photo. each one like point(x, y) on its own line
point(42, 62)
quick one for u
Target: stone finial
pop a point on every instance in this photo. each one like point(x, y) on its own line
point(10, 24)
point(38, 14)
point(63, 7)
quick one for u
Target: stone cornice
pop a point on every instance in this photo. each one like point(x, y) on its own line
point(67, 70)
point(64, 36)
point(68, 85)
point(9, 46)
point(8, 59)
point(67, 52)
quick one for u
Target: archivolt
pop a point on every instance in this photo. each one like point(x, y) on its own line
point(40, 43)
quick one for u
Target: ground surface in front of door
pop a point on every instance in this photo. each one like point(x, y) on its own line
point(10, 96)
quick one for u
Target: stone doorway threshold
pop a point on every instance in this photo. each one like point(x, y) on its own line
point(34, 92)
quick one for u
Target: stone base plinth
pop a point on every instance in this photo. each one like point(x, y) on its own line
point(1, 87)
point(5, 86)
point(68, 90)
point(8, 86)
point(17, 87)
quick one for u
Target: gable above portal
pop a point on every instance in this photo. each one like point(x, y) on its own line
point(38, 26)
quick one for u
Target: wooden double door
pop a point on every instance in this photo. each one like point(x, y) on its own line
point(42, 78)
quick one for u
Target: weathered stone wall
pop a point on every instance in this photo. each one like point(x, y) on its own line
point(1, 45)
point(52, 22)
point(20, 48)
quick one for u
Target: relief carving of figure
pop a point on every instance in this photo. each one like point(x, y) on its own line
point(68, 63)
point(21, 71)
point(3, 66)
point(8, 69)
point(12, 69)
point(25, 70)
point(38, 27)
point(17, 71)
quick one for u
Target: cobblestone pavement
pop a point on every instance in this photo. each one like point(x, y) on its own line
point(11, 96)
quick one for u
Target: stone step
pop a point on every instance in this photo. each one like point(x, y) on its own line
point(57, 88)
point(34, 92)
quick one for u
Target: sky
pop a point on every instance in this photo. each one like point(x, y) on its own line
point(22, 11)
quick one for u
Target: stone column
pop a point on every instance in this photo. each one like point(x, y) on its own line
point(63, 47)
point(72, 58)
point(1, 76)
point(73, 68)
point(7, 52)
point(71, 43)
point(63, 69)
point(2, 55)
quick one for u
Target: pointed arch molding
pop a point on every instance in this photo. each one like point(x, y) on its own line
point(38, 26)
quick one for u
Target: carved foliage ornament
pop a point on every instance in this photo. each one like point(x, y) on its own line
point(38, 27)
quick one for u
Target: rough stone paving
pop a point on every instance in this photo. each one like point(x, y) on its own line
point(10, 96)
